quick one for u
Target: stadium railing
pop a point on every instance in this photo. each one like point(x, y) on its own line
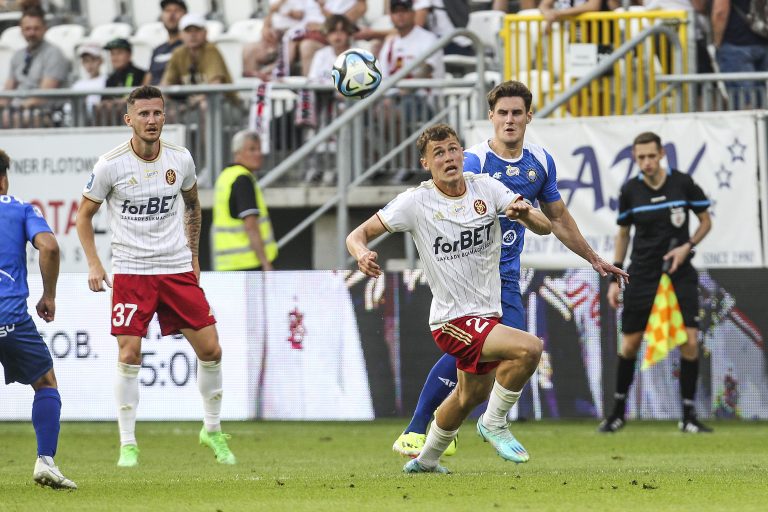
point(551, 60)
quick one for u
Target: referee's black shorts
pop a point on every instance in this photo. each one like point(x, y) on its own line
point(641, 290)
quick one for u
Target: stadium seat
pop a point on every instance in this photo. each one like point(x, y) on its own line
point(100, 12)
point(6, 53)
point(142, 52)
point(153, 33)
point(66, 37)
point(199, 6)
point(12, 38)
point(109, 31)
point(231, 49)
point(486, 24)
point(145, 11)
point(246, 31)
point(237, 10)
point(215, 28)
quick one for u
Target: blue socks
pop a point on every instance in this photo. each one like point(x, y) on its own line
point(433, 393)
point(46, 410)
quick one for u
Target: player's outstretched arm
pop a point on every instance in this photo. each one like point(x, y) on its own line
point(565, 229)
point(357, 245)
point(530, 217)
point(97, 276)
point(193, 220)
point(48, 247)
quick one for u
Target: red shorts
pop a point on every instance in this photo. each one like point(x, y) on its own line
point(463, 338)
point(177, 299)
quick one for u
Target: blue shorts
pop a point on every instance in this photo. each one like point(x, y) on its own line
point(23, 353)
point(512, 312)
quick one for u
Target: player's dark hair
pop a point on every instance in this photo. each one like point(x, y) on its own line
point(510, 89)
point(645, 138)
point(5, 163)
point(145, 92)
point(334, 20)
point(434, 133)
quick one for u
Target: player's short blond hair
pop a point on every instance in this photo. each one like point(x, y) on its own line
point(434, 133)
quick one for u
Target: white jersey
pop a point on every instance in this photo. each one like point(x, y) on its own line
point(145, 208)
point(459, 243)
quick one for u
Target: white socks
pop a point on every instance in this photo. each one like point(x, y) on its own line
point(127, 398)
point(499, 404)
point(209, 384)
point(437, 442)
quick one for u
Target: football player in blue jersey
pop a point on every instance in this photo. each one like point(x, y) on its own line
point(23, 354)
point(529, 170)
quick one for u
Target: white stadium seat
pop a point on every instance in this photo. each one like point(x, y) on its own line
point(6, 53)
point(66, 37)
point(142, 52)
point(154, 33)
point(215, 29)
point(200, 6)
point(246, 30)
point(100, 12)
point(12, 38)
point(109, 31)
point(231, 49)
point(145, 11)
point(237, 10)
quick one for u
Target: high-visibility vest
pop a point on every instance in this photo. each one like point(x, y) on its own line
point(231, 246)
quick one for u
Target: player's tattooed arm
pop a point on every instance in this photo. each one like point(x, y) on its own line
point(193, 219)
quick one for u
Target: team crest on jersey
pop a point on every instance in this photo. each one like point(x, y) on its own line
point(170, 176)
point(509, 237)
point(532, 175)
point(480, 207)
point(512, 171)
point(677, 216)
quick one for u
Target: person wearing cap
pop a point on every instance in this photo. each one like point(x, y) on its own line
point(197, 61)
point(171, 13)
point(91, 61)
point(124, 72)
point(40, 65)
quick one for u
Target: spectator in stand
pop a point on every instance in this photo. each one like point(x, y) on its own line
point(91, 61)
point(739, 49)
point(288, 24)
point(197, 61)
point(400, 49)
point(124, 71)
point(41, 65)
point(338, 30)
point(432, 15)
point(171, 14)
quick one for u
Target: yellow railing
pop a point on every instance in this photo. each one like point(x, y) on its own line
point(549, 61)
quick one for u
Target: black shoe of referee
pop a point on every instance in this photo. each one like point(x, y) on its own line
point(692, 425)
point(611, 425)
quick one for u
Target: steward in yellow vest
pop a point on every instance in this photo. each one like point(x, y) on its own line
point(242, 233)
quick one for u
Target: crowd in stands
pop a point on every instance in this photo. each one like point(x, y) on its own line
point(291, 38)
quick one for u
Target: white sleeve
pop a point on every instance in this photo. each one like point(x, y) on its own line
point(100, 182)
point(190, 178)
point(502, 195)
point(397, 215)
point(386, 49)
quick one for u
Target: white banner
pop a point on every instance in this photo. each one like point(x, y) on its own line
point(593, 159)
point(50, 167)
point(290, 341)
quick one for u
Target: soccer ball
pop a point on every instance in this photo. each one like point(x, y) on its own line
point(356, 73)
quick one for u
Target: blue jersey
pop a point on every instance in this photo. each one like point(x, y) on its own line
point(20, 223)
point(532, 175)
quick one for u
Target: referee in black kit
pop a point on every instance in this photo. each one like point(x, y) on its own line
point(657, 203)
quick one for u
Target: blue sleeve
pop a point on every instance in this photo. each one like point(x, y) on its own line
point(34, 222)
point(472, 163)
point(549, 192)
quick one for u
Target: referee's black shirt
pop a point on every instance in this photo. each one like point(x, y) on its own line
point(658, 216)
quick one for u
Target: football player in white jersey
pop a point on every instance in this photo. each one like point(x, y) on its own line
point(453, 219)
point(154, 261)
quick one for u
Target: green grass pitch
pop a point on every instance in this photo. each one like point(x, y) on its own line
point(349, 467)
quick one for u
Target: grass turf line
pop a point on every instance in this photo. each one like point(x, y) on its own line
point(349, 466)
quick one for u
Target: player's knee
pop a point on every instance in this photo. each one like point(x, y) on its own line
point(46, 381)
point(530, 350)
point(211, 353)
point(468, 401)
point(130, 355)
